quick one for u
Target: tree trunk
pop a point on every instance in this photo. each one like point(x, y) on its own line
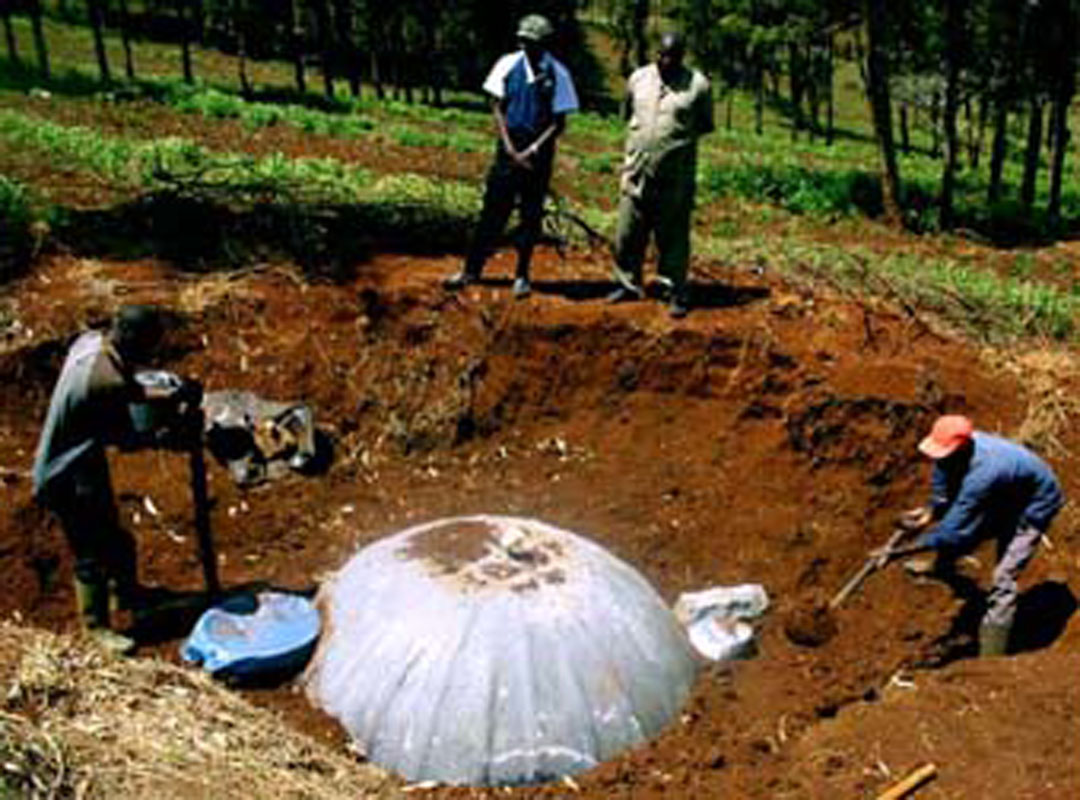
point(1057, 161)
point(326, 45)
point(979, 134)
point(796, 75)
point(240, 23)
point(185, 41)
point(296, 41)
point(1031, 155)
point(830, 93)
point(1065, 88)
point(376, 74)
point(97, 23)
point(125, 38)
point(758, 61)
point(431, 23)
point(641, 41)
point(346, 36)
point(877, 72)
point(935, 124)
point(198, 20)
point(759, 104)
point(624, 35)
point(954, 37)
point(998, 151)
point(9, 34)
point(40, 45)
point(1051, 125)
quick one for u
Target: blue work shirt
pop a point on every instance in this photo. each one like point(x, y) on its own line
point(1002, 486)
point(531, 99)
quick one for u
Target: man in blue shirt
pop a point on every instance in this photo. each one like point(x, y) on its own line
point(532, 92)
point(983, 487)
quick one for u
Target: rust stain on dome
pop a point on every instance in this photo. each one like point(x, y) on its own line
point(453, 546)
point(476, 554)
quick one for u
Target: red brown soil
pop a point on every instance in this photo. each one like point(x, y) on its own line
point(768, 440)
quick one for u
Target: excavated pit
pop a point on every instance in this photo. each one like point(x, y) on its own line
point(764, 441)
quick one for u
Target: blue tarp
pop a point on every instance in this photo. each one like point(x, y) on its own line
point(270, 633)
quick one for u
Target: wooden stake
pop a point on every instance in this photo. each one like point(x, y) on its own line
point(909, 784)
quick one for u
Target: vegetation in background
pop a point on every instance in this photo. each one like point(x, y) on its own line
point(16, 228)
point(791, 84)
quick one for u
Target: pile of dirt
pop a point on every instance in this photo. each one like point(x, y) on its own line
point(765, 438)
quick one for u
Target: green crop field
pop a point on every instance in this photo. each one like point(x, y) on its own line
point(793, 202)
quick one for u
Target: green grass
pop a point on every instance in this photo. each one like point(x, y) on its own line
point(977, 301)
point(986, 305)
point(786, 185)
point(16, 218)
point(157, 164)
point(800, 175)
point(453, 140)
point(171, 162)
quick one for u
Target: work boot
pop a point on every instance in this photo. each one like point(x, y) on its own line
point(678, 307)
point(460, 280)
point(625, 294)
point(92, 604)
point(522, 289)
point(993, 639)
point(664, 287)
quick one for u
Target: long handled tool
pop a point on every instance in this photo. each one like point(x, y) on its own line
point(202, 519)
point(873, 563)
point(192, 427)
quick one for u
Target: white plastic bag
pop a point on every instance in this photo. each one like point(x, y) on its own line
point(716, 619)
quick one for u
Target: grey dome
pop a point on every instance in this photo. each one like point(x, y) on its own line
point(495, 650)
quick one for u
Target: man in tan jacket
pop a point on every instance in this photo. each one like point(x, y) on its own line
point(669, 107)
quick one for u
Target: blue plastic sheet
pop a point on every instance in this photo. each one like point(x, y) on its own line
point(270, 633)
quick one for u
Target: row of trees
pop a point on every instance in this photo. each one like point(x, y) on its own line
point(415, 49)
point(998, 61)
point(970, 71)
point(993, 65)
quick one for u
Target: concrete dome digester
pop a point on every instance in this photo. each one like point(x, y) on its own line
point(495, 650)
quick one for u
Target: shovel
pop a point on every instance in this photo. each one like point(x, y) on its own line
point(192, 434)
point(202, 520)
point(813, 627)
point(873, 564)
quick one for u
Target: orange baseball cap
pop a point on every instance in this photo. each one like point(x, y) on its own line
point(949, 432)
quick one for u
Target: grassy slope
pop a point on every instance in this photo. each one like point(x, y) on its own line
point(750, 185)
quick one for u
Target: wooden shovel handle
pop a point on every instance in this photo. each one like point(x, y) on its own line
point(910, 783)
point(871, 565)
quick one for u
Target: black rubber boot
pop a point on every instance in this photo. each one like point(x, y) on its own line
point(92, 605)
point(993, 640)
point(460, 280)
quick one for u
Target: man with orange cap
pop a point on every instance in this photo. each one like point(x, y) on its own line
point(983, 486)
